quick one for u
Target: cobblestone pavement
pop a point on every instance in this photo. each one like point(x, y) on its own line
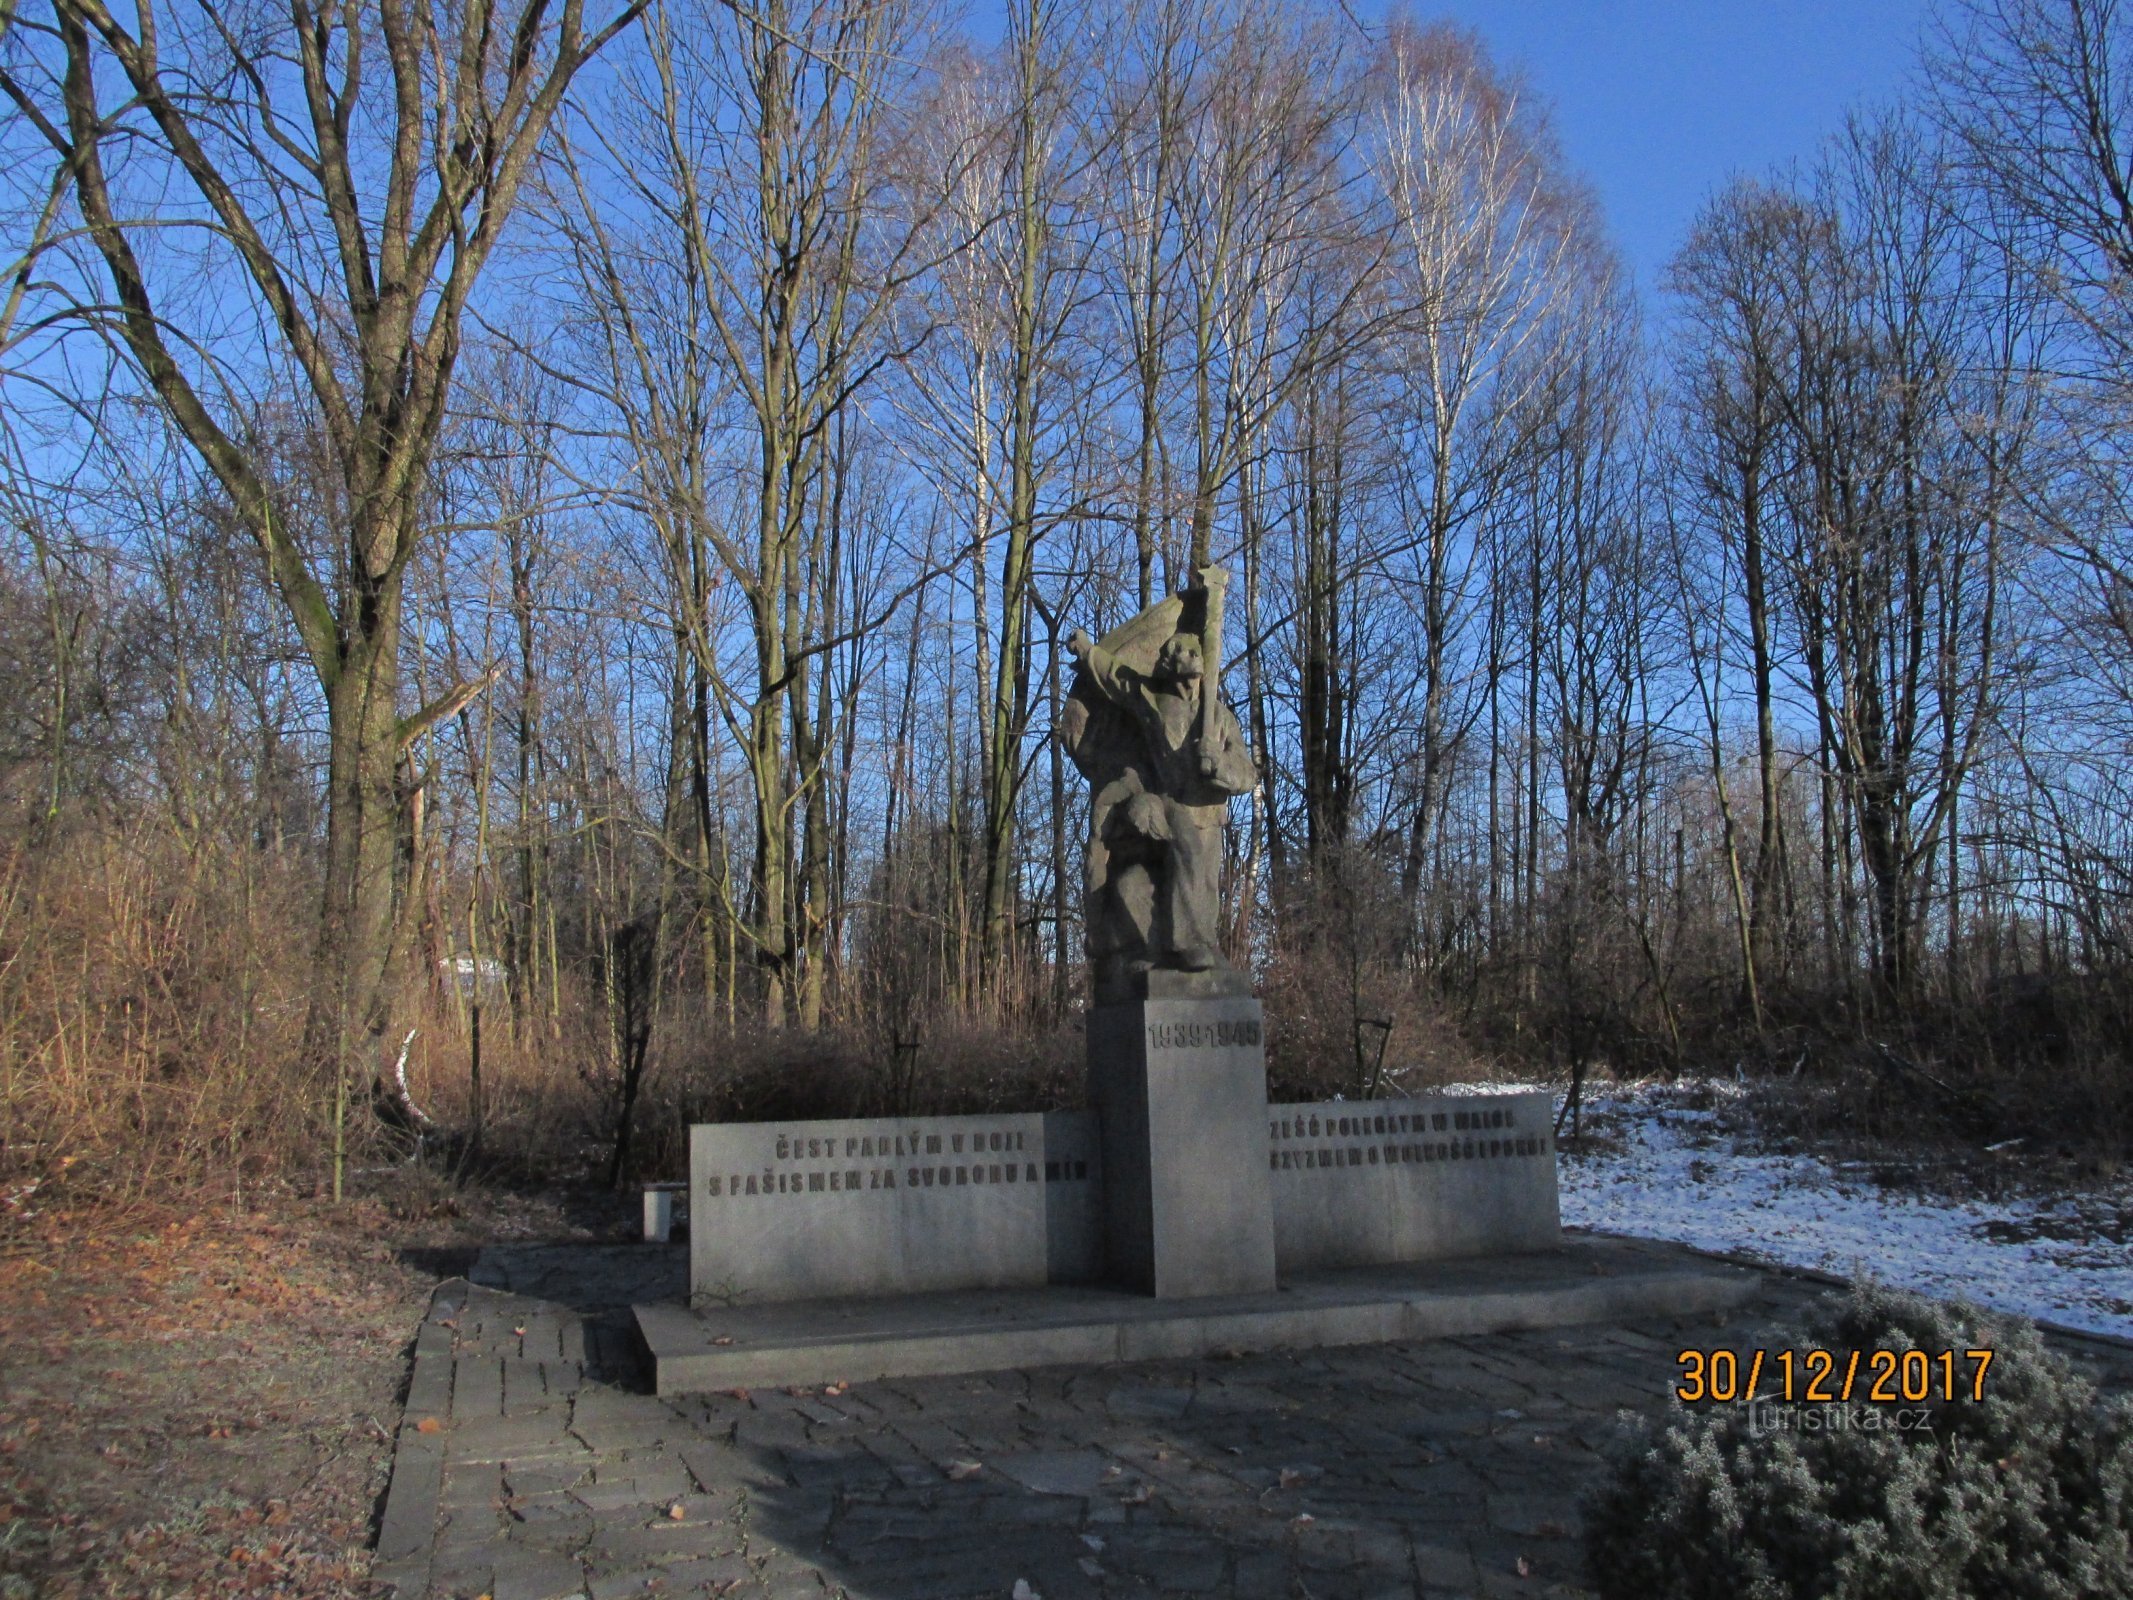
point(1452, 1467)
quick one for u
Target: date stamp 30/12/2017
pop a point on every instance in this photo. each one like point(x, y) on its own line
point(1823, 1377)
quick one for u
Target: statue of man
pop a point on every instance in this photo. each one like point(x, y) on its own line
point(1173, 802)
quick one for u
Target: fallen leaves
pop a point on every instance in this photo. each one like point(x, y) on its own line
point(677, 1512)
point(287, 1338)
point(957, 1471)
point(429, 1425)
point(735, 1393)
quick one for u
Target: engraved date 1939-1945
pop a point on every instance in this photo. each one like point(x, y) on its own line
point(1823, 1376)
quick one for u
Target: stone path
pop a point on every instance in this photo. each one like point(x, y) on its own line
point(533, 1465)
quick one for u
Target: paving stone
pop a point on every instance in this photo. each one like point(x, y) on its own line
point(1191, 1475)
point(625, 1585)
point(506, 1438)
point(654, 1543)
point(528, 1574)
point(470, 1485)
point(704, 1573)
point(477, 1387)
point(1060, 1472)
point(539, 1476)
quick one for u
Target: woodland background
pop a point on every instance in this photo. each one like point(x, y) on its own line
point(535, 547)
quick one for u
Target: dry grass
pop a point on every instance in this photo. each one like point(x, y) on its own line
point(149, 1018)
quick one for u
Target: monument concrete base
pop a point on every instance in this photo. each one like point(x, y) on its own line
point(1179, 1091)
point(1581, 1280)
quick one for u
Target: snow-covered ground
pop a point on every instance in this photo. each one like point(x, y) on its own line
point(1674, 1173)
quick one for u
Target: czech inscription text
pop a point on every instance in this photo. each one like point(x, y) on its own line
point(909, 1157)
point(1475, 1135)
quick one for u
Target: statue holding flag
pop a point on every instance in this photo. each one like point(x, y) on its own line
point(1145, 724)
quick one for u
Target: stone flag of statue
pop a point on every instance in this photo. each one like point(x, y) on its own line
point(1163, 755)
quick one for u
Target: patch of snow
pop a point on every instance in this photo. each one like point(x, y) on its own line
point(1675, 1176)
point(1488, 1088)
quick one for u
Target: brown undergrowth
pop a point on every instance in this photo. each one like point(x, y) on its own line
point(200, 1401)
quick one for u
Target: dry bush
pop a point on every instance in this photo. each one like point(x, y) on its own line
point(150, 1018)
point(707, 1072)
point(547, 1082)
point(1347, 1012)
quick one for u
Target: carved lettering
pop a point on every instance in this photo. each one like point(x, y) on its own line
point(1203, 1035)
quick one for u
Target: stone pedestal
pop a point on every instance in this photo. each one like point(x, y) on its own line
point(1178, 1084)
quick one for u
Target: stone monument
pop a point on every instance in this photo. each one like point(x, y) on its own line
point(906, 1245)
point(1176, 1052)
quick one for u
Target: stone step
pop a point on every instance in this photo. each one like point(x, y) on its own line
point(1583, 1280)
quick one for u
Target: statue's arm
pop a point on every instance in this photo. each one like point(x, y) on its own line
point(1226, 760)
point(1120, 683)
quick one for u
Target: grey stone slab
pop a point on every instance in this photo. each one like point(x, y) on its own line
point(407, 1528)
point(786, 1211)
point(1439, 1176)
point(1054, 1472)
point(604, 1437)
point(855, 1340)
point(524, 1574)
point(410, 1519)
point(477, 1387)
point(627, 1584)
point(507, 1438)
point(429, 1387)
point(472, 1485)
point(1073, 1197)
point(542, 1475)
point(704, 1573)
point(655, 1542)
point(1179, 1089)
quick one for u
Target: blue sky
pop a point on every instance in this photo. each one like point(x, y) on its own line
point(1659, 103)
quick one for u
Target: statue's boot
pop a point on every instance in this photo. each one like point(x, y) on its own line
point(1199, 958)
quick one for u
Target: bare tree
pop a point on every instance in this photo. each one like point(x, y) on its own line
point(358, 215)
point(1487, 236)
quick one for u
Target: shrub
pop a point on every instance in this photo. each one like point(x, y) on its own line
point(2024, 1494)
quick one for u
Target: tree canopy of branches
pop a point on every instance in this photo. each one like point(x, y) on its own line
point(607, 492)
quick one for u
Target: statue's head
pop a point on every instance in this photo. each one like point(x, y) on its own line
point(1179, 659)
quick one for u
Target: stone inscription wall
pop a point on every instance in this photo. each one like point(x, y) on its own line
point(1357, 1183)
point(909, 1155)
point(1310, 1141)
point(790, 1211)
